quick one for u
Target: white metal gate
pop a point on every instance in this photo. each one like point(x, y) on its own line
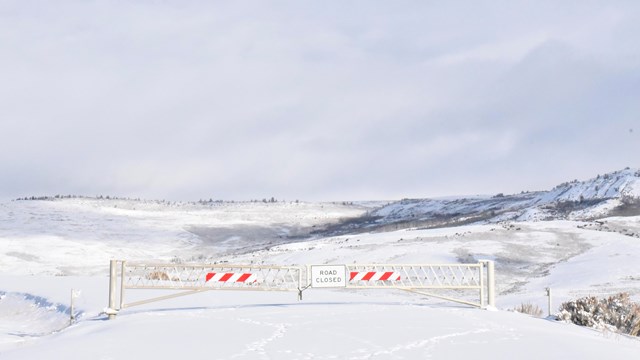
point(420, 277)
point(190, 279)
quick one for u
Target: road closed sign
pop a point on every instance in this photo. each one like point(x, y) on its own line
point(327, 276)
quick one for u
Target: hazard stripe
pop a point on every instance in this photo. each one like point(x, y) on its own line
point(374, 276)
point(368, 276)
point(386, 276)
point(230, 277)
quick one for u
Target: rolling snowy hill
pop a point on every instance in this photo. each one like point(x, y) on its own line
point(616, 193)
point(565, 239)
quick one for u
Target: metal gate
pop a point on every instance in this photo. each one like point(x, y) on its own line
point(421, 277)
point(191, 279)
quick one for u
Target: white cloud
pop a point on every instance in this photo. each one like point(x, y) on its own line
point(313, 101)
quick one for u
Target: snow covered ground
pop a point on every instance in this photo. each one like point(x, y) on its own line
point(79, 236)
point(49, 248)
point(576, 200)
point(327, 325)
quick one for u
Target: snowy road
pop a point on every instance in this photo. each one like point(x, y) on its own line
point(327, 325)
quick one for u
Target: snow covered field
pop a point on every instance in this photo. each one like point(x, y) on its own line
point(79, 236)
point(49, 248)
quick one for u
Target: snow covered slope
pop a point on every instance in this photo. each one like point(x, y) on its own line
point(616, 193)
point(79, 236)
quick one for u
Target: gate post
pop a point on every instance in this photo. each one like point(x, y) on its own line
point(548, 289)
point(111, 310)
point(483, 301)
point(491, 283)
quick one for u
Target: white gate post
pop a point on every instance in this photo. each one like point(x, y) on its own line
point(122, 272)
point(549, 300)
point(483, 302)
point(491, 283)
point(72, 317)
point(111, 311)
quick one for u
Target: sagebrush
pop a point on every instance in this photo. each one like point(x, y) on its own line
point(529, 309)
point(616, 313)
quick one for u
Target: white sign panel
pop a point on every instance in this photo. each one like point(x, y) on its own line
point(327, 276)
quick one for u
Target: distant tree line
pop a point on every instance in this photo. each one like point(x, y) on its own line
point(59, 197)
point(209, 201)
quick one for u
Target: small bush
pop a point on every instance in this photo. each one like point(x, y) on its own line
point(616, 313)
point(158, 275)
point(529, 309)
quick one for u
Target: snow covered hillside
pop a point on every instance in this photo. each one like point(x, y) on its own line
point(612, 194)
point(79, 236)
point(48, 248)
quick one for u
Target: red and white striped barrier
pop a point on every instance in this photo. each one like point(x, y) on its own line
point(374, 276)
point(231, 277)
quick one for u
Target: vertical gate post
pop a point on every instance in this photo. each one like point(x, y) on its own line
point(72, 310)
point(122, 274)
point(299, 283)
point(549, 300)
point(112, 289)
point(491, 283)
point(483, 302)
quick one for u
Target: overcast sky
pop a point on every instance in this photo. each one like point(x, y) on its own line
point(322, 100)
